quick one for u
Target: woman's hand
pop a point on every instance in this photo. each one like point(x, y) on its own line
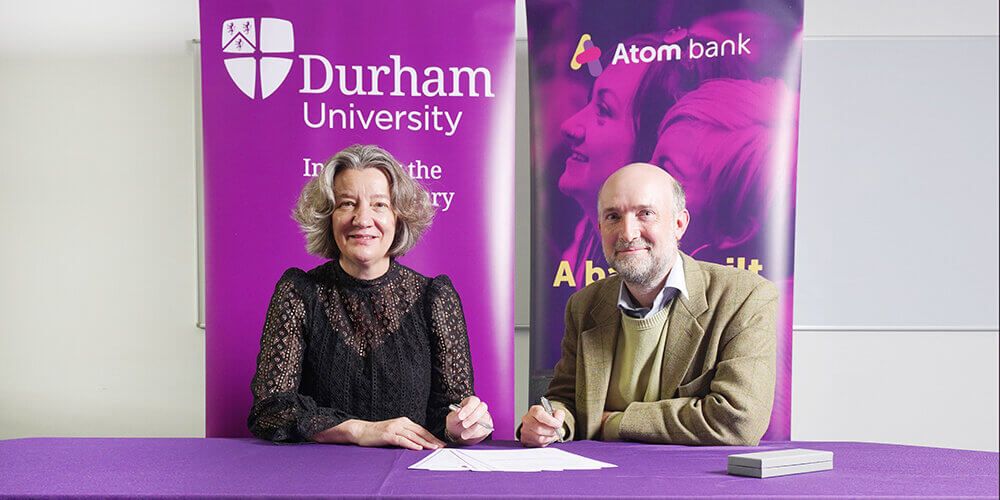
point(462, 424)
point(401, 432)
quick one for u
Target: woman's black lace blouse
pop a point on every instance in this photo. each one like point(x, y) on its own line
point(336, 348)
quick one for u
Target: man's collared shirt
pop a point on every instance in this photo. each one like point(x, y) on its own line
point(675, 280)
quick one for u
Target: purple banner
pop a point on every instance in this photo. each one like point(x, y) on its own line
point(288, 84)
point(706, 90)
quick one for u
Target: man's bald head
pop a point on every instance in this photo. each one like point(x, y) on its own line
point(642, 218)
point(644, 174)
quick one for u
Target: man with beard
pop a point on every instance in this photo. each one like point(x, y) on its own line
point(668, 350)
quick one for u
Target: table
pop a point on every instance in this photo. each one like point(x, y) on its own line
point(58, 467)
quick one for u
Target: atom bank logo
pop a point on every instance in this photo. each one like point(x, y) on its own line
point(240, 36)
point(587, 53)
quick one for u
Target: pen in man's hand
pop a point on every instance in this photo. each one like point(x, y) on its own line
point(454, 407)
point(548, 409)
point(547, 405)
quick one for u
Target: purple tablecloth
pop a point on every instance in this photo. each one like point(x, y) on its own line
point(55, 467)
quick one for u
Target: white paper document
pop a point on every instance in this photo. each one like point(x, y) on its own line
point(524, 460)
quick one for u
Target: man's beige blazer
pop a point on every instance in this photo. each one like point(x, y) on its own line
point(717, 383)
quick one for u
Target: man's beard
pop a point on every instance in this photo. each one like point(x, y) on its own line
point(645, 269)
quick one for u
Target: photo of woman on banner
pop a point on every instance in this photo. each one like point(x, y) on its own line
point(723, 142)
point(361, 349)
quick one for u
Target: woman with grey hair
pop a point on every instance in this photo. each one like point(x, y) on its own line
point(362, 349)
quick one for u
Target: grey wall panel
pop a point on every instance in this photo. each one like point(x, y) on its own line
point(897, 183)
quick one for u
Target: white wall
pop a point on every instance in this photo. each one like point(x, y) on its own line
point(98, 296)
point(97, 196)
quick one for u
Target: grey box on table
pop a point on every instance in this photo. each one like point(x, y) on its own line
point(775, 463)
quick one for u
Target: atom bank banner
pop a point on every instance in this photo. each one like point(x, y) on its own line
point(708, 91)
point(285, 85)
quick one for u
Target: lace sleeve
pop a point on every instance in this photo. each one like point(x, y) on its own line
point(451, 373)
point(279, 412)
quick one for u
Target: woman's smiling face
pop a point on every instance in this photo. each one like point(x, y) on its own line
point(601, 136)
point(364, 223)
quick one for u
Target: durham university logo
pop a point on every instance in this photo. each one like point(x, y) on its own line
point(240, 36)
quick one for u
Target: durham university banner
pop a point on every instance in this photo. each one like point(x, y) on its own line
point(285, 85)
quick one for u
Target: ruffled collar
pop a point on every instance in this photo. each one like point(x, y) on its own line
point(346, 280)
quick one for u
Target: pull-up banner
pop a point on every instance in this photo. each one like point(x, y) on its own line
point(285, 85)
point(706, 90)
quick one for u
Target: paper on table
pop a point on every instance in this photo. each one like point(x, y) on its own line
point(524, 460)
point(444, 459)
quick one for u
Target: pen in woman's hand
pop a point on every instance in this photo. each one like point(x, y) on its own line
point(455, 407)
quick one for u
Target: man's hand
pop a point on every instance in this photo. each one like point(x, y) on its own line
point(538, 428)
